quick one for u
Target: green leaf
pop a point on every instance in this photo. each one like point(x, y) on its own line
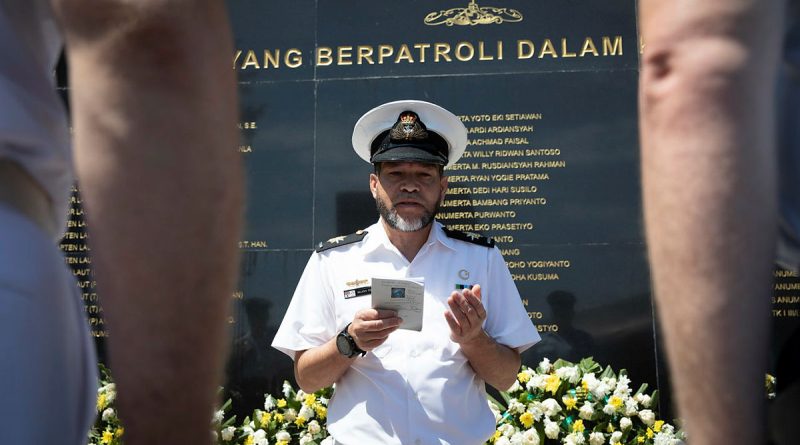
point(560, 363)
point(654, 399)
point(608, 373)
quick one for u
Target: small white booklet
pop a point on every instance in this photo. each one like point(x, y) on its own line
point(404, 295)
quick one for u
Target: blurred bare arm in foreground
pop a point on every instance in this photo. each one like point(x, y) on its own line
point(154, 113)
point(709, 180)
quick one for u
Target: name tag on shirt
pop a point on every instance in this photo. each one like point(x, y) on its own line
point(357, 292)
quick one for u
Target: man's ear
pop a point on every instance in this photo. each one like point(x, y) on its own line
point(373, 184)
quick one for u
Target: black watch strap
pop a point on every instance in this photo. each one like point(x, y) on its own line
point(354, 349)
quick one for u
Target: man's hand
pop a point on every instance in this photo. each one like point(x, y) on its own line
point(371, 327)
point(466, 315)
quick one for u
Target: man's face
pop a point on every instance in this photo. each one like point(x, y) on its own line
point(408, 194)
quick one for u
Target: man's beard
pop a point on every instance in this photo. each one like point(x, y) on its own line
point(397, 222)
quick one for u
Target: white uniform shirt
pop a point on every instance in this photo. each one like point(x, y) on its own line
point(418, 387)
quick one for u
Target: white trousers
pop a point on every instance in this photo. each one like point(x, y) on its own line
point(48, 369)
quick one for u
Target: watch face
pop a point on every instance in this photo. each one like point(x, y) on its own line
point(343, 345)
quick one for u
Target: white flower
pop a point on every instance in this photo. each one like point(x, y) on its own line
point(305, 439)
point(622, 388)
point(597, 387)
point(644, 399)
point(665, 438)
point(551, 407)
point(551, 429)
point(574, 439)
point(516, 439)
point(631, 407)
point(544, 366)
point(647, 416)
point(324, 402)
point(616, 436)
point(290, 415)
point(502, 440)
point(625, 423)
point(515, 387)
point(300, 396)
point(569, 373)
point(218, 415)
point(314, 428)
point(306, 412)
point(587, 411)
point(249, 429)
point(269, 402)
point(514, 406)
point(609, 409)
point(536, 410)
point(287, 389)
point(260, 437)
point(538, 381)
point(506, 430)
point(108, 414)
point(227, 433)
point(530, 437)
point(596, 439)
point(283, 435)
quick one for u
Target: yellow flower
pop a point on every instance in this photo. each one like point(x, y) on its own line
point(610, 428)
point(300, 420)
point(650, 433)
point(526, 419)
point(569, 402)
point(281, 403)
point(495, 436)
point(640, 439)
point(322, 412)
point(281, 442)
point(311, 399)
point(584, 385)
point(578, 426)
point(119, 432)
point(101, 402)
point(278, 417)
point(523, 377)
point(250, 440)
point(552, 383)
point(615, 401)
point(265, 418)
point(657, 426)
point(108, 436)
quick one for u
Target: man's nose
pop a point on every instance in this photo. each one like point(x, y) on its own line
point(409, 185)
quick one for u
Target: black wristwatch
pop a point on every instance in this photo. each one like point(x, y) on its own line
point(346, 345)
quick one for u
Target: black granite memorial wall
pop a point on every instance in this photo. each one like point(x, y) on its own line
point(547, 91)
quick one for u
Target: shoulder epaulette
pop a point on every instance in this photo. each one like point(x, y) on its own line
point(469, 237)
point(342, 240)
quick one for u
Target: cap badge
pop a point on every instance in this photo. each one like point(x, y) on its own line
point(408, 127)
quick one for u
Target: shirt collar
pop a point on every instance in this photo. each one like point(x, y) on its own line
point(377, 237)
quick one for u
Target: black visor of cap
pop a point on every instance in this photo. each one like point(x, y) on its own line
point(422, 145)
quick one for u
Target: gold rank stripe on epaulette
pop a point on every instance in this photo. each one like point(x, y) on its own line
point(342, 240)
point(470, 237)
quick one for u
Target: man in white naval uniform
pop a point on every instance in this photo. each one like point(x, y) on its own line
point(400, 386)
